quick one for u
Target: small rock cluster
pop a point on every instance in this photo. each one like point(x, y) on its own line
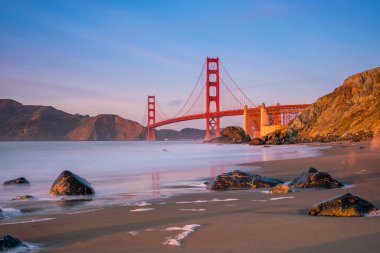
point(344, 205)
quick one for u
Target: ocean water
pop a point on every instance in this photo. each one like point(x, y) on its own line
point(122, 172)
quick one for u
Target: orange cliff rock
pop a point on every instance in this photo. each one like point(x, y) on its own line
point(351, 109)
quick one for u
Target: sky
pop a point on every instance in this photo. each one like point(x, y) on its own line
point(96, 57)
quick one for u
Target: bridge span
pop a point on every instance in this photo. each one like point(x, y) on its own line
point(216, 95)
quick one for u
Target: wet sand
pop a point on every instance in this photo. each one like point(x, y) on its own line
point(234, 221)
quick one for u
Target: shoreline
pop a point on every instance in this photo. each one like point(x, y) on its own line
point(232, 221)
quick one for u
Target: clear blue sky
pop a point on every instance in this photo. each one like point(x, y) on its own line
point(93, 57)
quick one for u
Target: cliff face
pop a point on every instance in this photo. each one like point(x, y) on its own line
point(107, 127)
point(352, 108)
point(29, 122)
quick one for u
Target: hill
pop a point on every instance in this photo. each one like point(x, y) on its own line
point(351, 111)
point(45, 123)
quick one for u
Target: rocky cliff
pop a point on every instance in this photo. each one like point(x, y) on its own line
point(353, 109)
point(30, 122)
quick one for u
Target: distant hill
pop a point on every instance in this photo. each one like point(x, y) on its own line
point(351, 109)
point(184, 134)
point(20, 122)
point(107, 127)
point(31, 122)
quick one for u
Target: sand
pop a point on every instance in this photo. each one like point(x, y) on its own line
point(234, 221)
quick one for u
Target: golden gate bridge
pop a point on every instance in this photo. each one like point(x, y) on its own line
point(216, 95)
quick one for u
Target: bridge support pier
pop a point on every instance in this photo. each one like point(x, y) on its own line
point(151, 131)
point(212, 97)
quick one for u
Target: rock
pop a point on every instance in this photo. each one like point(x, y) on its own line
point(241, 180)
point(280, 188)
point(257, 141)
point(344, 205)
point(8, 242)
point(275, 141)
point(24, 197)
point(312, 178)
point(231, 134)
point(68, 183)
point(17, 181)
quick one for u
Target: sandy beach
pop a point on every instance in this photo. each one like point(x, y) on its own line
point(233, 221)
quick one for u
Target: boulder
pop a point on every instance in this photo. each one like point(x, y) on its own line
point(280, 188)
point(17, 181)
point(231, 134)
point(312, 178)
point(344, 205)
point(8, 242)
point(24, 197)
point(241, 180)
point(257, 141)
point(68, 183)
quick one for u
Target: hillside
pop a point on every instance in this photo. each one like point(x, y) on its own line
point(352, 109)
point(107, 127)
point(31, 122)
point(184, 134)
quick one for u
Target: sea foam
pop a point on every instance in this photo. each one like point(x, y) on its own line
point(177, 240)
point(141, 209)
point(9, 212)
point(27, 221)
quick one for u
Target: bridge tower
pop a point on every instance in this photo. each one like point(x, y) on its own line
point(151, 131)
point(212, 97)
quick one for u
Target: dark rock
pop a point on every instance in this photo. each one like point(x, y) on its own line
point(344, 205)
point(257, 141)
point(24, 197)
point(8, 242)
point(231, 134)
point(17, 181)
point(241, 180)
point(275, 141)
point(68, 183)
point(312, 178)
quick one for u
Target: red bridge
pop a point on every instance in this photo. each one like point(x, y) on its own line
point(216, 95)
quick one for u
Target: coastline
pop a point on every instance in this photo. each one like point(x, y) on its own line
point(233, 221)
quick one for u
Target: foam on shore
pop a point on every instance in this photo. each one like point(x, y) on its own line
point(278, 198)
point(193, 210)
point(205, 201)
point(177, 240)
point(27, 221)
point(141, 209)
point(10, 212)
point(24, 247)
